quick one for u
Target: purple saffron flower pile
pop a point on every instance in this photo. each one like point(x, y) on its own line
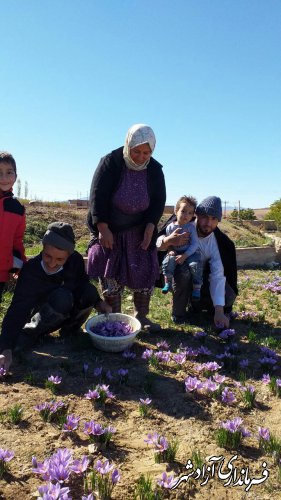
point(112, 329)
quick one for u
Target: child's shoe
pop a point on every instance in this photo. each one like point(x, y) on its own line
point(196, 295)
point(166, 288)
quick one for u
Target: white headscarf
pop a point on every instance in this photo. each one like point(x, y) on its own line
point(136, 135)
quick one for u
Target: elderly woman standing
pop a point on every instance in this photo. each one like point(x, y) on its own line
point(127, 200)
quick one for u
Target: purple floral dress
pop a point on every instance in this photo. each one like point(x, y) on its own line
point(127, 263)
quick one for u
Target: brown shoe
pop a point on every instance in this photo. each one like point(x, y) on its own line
point(146, 324)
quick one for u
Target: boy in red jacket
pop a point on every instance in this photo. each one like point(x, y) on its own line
point(12, 221)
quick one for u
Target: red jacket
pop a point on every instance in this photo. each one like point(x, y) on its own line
point(12, 227)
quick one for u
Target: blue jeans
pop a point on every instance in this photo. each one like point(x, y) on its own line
point(193, 261)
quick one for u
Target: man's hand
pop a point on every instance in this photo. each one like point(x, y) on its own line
point(220, 320)
point(148, 232)
point(105, 235)
point(180, 258)
point(103, 307)
point(6, 360)
point(175, 239)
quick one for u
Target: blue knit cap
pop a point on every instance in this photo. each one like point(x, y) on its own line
point(210, 206)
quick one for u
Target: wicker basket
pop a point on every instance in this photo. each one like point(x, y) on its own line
point(113, 344)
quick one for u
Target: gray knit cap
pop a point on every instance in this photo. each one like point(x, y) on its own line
point(210, 206)
point(60, 235)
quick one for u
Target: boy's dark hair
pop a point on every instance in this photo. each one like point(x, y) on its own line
point(6, 157)
point(190, 200)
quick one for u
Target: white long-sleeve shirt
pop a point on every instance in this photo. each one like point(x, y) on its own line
point(210, 253)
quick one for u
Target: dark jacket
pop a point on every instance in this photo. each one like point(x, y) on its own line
point(12, 227)
point(33, 289)
point(227, 252)
point(106, 181)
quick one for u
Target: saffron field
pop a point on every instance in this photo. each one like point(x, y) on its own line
point(79, 423)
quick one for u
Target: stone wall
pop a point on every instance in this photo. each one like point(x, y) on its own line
point(255, 256)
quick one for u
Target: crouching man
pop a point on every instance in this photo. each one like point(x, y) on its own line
point(53, 291)
point(218, 255)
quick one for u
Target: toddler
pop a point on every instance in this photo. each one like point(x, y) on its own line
point(184, 211)
point(12, 216)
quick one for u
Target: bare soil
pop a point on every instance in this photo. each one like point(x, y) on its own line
point(190, 418)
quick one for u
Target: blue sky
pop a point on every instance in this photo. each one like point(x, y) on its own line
point(204, 74)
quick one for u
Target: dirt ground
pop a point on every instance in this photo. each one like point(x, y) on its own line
point(190, 418)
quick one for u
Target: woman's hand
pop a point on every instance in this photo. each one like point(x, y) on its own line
point(148, 232)
point(105, 235)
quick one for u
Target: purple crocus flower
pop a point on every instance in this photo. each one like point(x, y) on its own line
point(115, 476)
point(41, 468)
point(127, 354)
point(92, 394)
point(103, 467)
point(123, 373)
point(232, 425)
point(159, 442)
point(93, 428)
point(267, 360)
point(80, 466)
point(179, 358)
point(71, 423)
point(163, 345)
point(56, 406)
point(109, 375)
point(191, 353)
point(228, 396)
point(53, 492)
point(210, 366)
point(204, 351)
point(6, 455)
point(192, 384)
point(268, 352)
point(166, 481)
point(163, 356)
point(162, 445)
point(145, 402)
point(266, 378)
point(88, 497)
point(98, 371)
point(58, 471)
point(147, 354)
point(3, 372)
point(55, 379)
point(226, 334)
point(219, 378)
point(109, 430)
point(209, 386)
point(264, 433)
point(244, 363)
point(278, 382)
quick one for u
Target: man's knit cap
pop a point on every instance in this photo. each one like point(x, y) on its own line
point(60, 235)
point(210, 206)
